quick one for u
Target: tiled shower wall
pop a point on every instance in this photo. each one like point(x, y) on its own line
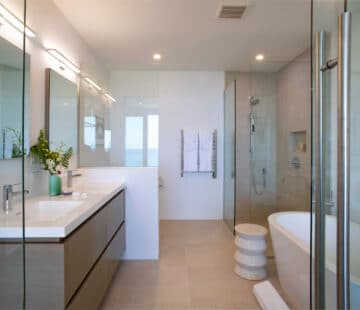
point(294, 116)
point(249, 205)
point(284, 110)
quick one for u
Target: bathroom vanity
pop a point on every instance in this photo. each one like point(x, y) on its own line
point(73, 246)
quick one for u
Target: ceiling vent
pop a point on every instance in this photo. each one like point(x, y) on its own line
point(231, 11)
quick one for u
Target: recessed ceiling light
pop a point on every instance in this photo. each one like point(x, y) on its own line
point(157, 57)
point(259, 57)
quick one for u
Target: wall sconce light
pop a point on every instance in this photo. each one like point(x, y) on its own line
point(109, 97)
point(11, 19)
point(63, 60)
point(92, 83)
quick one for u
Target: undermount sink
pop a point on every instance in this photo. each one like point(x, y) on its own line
point(50, 210)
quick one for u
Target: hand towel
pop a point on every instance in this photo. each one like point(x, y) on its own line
point(268, 297)
point(190, 152)
point(206, 151)
point(7, 144)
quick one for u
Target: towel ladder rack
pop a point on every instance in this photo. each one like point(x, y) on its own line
point(214, 155)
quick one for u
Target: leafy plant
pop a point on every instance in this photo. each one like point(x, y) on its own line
point(52, 161)
point(17, 140)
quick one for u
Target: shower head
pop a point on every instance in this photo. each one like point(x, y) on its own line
point(253, 100)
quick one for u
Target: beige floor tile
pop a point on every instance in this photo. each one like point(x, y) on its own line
point(220, 287)
point(195, 272)
point(177, 295)
point(209, 255)
point(172, 255)
point(137, 273)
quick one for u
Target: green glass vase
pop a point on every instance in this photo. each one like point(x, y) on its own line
point(54, 185)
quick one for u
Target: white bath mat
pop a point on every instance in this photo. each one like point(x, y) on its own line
point(268, 297)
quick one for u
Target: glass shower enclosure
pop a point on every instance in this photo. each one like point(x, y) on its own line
point(229, 154)
point(336, 170)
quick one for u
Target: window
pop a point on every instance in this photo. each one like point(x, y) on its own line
point(107, 140)
point(134, 141)
point(141, 135)
point(142, 141)
point(90, 131)
point(153, 141)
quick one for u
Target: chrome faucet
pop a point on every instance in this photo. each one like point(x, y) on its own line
point(70, 176)
point(8, 194)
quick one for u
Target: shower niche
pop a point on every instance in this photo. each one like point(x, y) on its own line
point(297, 141)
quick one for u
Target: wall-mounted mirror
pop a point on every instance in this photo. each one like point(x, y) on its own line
point(61, 111)
point(95, 128)
point(11, 99)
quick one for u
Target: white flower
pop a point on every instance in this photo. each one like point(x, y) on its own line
point(51, 166)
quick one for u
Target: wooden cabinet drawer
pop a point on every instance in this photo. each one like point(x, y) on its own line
point(115, 252)
point(86, 244)
point(59, 271)
point(115, 214)
point(92, 291)
point(82, 249)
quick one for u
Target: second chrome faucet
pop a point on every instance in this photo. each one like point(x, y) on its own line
point(8, 194)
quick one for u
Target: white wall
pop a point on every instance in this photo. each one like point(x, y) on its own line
point(142, 213)
point(190, 100)
point(53, 31)
point(142, 208)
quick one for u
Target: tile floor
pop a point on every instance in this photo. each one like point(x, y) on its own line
point(195, 271)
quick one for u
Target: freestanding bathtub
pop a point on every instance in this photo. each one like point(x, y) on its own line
point(290, 234)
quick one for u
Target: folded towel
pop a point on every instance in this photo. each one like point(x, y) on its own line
point(190, 152)
point(8, 144)
point(206, 151)
point(268, 297)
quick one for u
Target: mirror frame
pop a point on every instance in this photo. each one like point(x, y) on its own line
point(47, 107)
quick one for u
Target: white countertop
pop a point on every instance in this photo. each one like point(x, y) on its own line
point(57, 217)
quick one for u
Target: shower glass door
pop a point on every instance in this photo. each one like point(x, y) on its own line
point(353, 6)
point(229, 154)
point(262, 135)
point(336, 168)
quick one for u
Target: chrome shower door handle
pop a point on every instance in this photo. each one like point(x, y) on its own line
point(318, 173)
point(343, 158)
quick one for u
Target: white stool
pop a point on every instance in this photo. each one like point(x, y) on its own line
point(250, 259)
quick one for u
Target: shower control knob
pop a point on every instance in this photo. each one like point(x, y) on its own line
point(296, 162)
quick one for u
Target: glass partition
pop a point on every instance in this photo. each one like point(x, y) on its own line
point(14, 145)
point(325, 137)
point(354, 8)
point(229, 154)
point(11, 83)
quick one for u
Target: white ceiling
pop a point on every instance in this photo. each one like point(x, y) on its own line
point(125, 33)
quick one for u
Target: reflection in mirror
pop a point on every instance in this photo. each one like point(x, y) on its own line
point(141, 118)
point(95, 128)
point(62, 111)
point(11, 92)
